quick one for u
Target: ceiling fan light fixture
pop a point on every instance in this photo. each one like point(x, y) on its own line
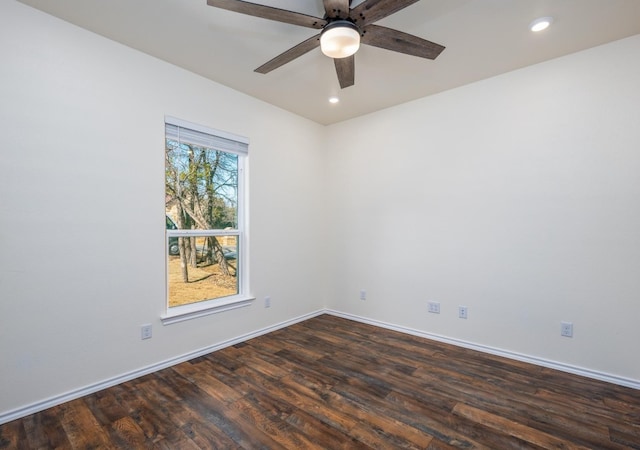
point(339, 39)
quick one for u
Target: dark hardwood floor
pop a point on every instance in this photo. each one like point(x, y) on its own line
point(331, 383)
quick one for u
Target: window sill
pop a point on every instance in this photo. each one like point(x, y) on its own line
point(180, 314)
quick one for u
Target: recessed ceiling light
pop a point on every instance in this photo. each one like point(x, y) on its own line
point(541, 24)
point(334, 99)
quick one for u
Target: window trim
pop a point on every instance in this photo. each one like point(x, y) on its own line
point(221, 305)
point(243, 298)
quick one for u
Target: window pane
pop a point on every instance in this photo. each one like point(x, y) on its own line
point(201, 187)
point(209, 270)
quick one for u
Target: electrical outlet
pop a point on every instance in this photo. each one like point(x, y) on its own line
point(267, 302)
point(462, 312)
point(363, 294)
point(434, 307)
point(145, 331)
point(566, 329)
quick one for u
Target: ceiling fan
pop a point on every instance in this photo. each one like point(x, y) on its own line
point(343, 29)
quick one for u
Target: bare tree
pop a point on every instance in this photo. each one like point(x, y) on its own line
point(203, 184)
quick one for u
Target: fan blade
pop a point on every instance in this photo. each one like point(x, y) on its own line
point(399, 41)
point(268, 12)
point(291, 54)
point(336, 9)
point(346, 69)
point(371, 11)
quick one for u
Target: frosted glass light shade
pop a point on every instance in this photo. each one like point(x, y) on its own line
point(340, 39)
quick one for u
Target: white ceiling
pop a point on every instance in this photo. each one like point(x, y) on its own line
point(483, 38)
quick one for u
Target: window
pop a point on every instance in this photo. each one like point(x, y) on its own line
point(205, 220)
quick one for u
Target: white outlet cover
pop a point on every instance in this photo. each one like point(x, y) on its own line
point(566, 329)
point(146, 331)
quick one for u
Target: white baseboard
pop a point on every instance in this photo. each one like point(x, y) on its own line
point(90, 389)
point(627, 382)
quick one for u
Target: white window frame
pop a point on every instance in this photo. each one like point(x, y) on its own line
point(242, 298)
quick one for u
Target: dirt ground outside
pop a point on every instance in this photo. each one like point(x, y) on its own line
point(205, 283)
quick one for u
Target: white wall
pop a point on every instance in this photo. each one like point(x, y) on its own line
point(82, 264)
point(518, 197)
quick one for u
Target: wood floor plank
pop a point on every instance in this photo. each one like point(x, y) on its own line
point(195, 427)
point(306, 396)
point(129, 434)
point(560, 419)
point(323, 434)
point(331, 383)
point(44, 430)
point(262, 413)
point(13, 435)
point(200, 376)
point(488, 437)
point(219, 414)
point(625, 435)
point(513, 428)
point(437, 444)
point(379, 414)
point(77, 417)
